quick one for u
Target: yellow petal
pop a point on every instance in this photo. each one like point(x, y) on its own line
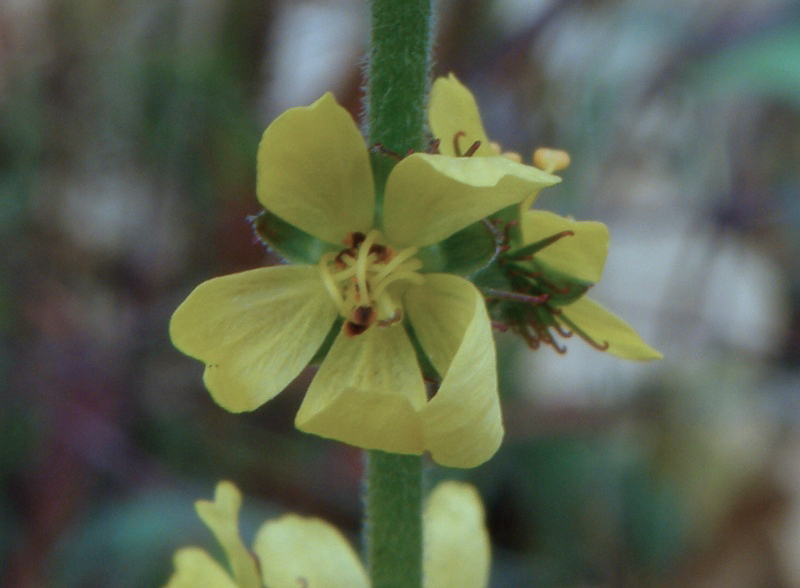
point(462, 423)
point(255, 331)
point(452, 110)
point(430, 197)
point(194, 568)
point(368, 393)
point(603, 326)
point(314, 171)
point(222, 517)
point(457, 545)
point(582, 255)
point(296, 551)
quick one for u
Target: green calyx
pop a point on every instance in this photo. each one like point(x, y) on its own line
point(292, 244)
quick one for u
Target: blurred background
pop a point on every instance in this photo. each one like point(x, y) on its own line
point(128, 133)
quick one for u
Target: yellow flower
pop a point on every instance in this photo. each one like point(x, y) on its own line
point(561, 273)
point(297, 552)
point(537, 285)
point(258, 329)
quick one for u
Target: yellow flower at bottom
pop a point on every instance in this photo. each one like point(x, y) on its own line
point(300, 552)
point(257, 330)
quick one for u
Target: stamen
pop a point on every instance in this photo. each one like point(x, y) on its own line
point(361, 265)
point(562, 331)
point(456, 147)
point(410, 275)
point(561, 350)
point(396, 261)
point(551, 160)
point(527, 252)
point(357, 279)
point(395, 318)
point(516, 296)
point(583, 335)
point(330, 284)
point(472, 149)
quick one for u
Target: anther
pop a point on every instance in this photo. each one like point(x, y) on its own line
point(551, 160)
point(363, 315)
point(352, 329)
point(357, 279)
point(472, 149)
point(382, 252)
point(457, 148)
point(354, 240)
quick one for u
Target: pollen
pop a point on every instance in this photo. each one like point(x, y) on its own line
point(365, 278)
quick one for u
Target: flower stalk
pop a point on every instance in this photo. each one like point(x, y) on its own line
point(397, 76)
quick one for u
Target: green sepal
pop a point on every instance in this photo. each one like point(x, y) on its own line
point(462, 253)
point(291, 243)
point(492, 276)
point(322, 352)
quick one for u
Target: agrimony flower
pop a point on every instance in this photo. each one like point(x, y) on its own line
point(258, 329)
point(294, 551)
point(539, 286)
point(536, 286)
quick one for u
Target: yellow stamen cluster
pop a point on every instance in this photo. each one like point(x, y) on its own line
point(357, 279)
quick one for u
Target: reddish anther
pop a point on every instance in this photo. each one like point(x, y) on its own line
point(472, 149)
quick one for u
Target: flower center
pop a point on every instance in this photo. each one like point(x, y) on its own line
point(358, 280)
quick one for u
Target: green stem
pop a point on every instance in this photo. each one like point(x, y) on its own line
point(397, 87)
point(399, 63)
point(394, 520)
